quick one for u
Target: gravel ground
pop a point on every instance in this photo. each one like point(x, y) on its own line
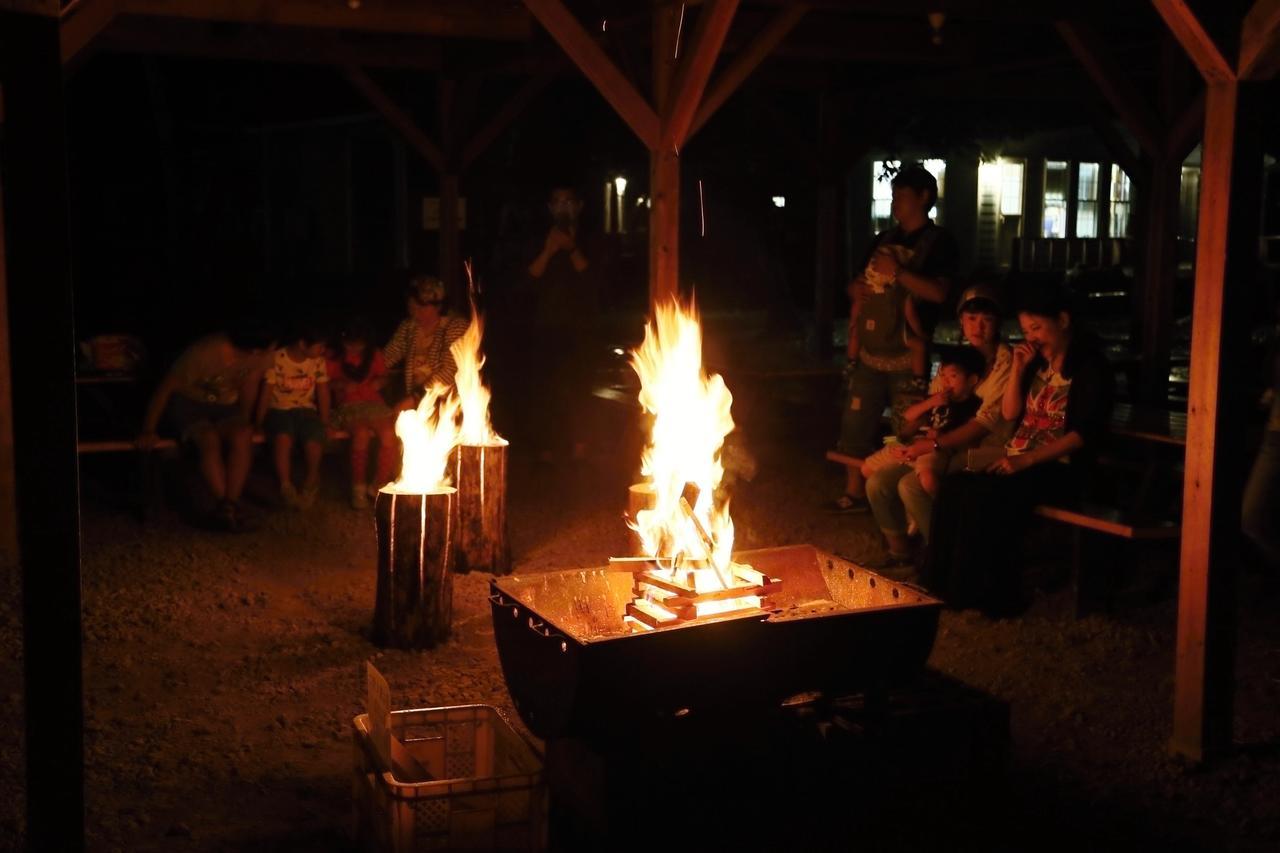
point(222, 672)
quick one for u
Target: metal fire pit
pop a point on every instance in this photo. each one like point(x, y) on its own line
point(574, 669)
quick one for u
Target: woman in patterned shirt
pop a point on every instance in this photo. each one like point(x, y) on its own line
point(420, 344)
point(1059, 394)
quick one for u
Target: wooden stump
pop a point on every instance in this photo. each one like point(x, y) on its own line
point(480, 475)
point(416, 546)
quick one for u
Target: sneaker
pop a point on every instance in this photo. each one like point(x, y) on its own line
point(848, 505)
point(227, 516)
point(359, 497)
point(307, 498)
point(289, 495)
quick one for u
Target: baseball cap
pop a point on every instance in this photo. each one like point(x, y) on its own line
point(980, 293)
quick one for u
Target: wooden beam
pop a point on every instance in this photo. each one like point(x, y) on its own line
point(1187, 129)
point(87, 19)
point(502, 119)
point(747, 61)
point(591, 59)
point(1159, 220)
point(694, 72)
point(664, 170)
point(1117, 146)
point(1195, 40)
point(452, 19)
point(38, 292)
point(1260, 41)
point(1226, 236)
point(396, 117)
point(1114, 84)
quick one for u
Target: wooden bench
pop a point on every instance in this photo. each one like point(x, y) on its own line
point(1108, 521)
point(118, 445)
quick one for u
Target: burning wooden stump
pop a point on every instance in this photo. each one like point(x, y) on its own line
point(480, 475)
point(416, 551)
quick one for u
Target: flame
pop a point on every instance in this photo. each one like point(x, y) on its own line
point(474, 396)
point(691, 417)
point(428, 434)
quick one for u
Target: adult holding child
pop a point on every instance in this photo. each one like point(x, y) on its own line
point(894, 307)
point(896, 492)
point(1059, 395)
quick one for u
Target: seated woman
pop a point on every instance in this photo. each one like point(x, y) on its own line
point(1060, 396)
point(419, 347)
point(895, 492)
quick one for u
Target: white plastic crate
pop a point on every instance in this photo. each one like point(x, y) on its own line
point(486, 789)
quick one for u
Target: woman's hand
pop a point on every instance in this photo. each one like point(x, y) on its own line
point(1023, 353)
point(1010, 465)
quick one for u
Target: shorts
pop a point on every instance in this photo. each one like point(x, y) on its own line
point(300, 424)
point(365, 412)
point(937, 461)
point(190, 417)
point(867, 392)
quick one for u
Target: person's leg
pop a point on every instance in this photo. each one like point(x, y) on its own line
point(866, 393)
point(1260, 509)
point(281, 451)
point(928, 480)
point(209, 447)
point(388, 448)
point(917, 503)
point(238, 438)
point(882, 494)
point(361, 434)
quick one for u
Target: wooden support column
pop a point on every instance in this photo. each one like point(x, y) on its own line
point(828, 269)
point(37, 286)
point(1226, 252)
point(1159, 267)
point(664, 168)
point(449, 258)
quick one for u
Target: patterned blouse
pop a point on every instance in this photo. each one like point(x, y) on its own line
point(425, 355)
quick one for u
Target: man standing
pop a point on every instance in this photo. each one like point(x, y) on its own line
point(564, 280)
point(895, 306)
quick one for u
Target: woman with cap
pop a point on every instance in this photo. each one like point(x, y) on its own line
point(420, 344)
point(895, 493)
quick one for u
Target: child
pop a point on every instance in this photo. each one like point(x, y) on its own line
point(953, 405)
point(294, 407)
point(357, 377)
point(913, 335)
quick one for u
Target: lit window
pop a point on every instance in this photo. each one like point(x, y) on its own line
point(1056, 175)
point(882, 172)
point(1189, 202)
point(1087, 200)
point(1010, 188)
point(1121, 199)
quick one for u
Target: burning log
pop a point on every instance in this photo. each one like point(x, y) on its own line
point(416, 552)
point(480, 474)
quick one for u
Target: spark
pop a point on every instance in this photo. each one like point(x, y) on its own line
point(702, 209)
point(604, 25)
point(679, 30)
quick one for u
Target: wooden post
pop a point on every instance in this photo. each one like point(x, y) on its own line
point(416, 551)
point(480, 475)
point(37, 280)
point(1159, 268)
point(827, 266)
point(664, 168)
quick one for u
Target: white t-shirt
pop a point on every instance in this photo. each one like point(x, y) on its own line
point(293, 383)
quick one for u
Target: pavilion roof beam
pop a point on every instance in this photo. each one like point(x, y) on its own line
point(694, 72)
point(503, 118)
point(82, 24)
point(396, 116)
point(1115, 85)
point(1196, 41)
point(1260, 41)
point(738, 70)
point(591, 59)
point(456, 19)
point(1186, 130)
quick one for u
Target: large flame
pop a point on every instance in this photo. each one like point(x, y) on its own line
point(428, 434)
point(474, 396)
point(690, 421)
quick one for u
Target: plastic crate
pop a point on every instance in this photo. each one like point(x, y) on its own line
point(486, 791)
